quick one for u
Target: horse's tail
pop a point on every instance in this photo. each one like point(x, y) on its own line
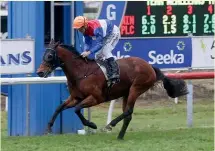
point(174, 87)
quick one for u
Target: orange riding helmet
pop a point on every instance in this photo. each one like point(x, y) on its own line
point(79, 22)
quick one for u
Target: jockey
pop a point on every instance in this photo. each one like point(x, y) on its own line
point(100, 38)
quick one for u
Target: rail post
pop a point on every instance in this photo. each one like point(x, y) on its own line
point(190, 102)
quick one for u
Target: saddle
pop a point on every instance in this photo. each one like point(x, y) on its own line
point(110, 70)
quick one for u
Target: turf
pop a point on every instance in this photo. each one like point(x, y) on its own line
point(157, 127)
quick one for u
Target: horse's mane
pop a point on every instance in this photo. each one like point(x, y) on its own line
point(73, 50)
point(70, 48)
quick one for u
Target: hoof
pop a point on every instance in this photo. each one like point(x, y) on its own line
point(92, 125)
point(108, 127)
point(48, 132)
point(105, 130)
point(120, 139)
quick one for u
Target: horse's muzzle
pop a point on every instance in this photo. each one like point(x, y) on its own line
point(43, 74)
point(40, 74)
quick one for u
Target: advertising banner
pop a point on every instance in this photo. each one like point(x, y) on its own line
point(17, 56)
point(203, 52)
point(160, 52)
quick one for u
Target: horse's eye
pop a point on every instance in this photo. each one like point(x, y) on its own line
point(50, 56)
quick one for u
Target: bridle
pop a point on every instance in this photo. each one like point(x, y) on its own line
point(52, 62)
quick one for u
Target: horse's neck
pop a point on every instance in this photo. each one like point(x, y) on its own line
point(76, 69)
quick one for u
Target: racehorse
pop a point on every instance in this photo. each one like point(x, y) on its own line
point(88, 87)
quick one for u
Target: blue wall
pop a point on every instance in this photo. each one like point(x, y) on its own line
point(27, 18)
point(68, 116)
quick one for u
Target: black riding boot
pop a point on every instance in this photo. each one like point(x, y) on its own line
point(113, 72)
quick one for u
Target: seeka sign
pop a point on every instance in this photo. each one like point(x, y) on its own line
point(17, 56)
point(160, 52)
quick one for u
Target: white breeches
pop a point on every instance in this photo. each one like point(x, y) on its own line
point(109, 44)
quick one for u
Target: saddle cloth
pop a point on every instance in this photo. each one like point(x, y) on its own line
point(102, 65)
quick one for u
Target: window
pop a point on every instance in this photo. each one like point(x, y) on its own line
point(58, 22)
point(3, 16)
point(91, 9)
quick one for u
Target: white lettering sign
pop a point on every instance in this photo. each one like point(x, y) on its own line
point(17, 56)
point(111, 15)
point(165, 58)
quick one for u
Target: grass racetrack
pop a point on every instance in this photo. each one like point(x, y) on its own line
point(160, 126)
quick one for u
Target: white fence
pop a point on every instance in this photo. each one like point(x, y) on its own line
point(62, 79)
point(33, 80)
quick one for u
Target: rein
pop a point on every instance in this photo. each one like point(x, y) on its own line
point(86, 74)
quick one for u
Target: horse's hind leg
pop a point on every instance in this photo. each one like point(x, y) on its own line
point(129, 106)
point(124, 126)
point(126, 120)
point(88, 102)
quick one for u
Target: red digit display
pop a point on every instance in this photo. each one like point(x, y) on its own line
point(169, 10)
point(210, 9)
point(190, 9)
point(127, 27)
point(148, 10)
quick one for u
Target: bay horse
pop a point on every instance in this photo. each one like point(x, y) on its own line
point(88, 87)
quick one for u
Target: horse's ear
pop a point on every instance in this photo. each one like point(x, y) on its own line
point(51, 42)
point(57, 43)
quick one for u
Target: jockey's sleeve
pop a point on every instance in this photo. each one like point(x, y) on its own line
point(99, 40)
point(87, 42)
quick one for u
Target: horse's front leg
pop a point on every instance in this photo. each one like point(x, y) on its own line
point(69, 103)
point(88, 102)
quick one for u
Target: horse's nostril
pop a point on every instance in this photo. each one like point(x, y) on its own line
point(40, 74)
